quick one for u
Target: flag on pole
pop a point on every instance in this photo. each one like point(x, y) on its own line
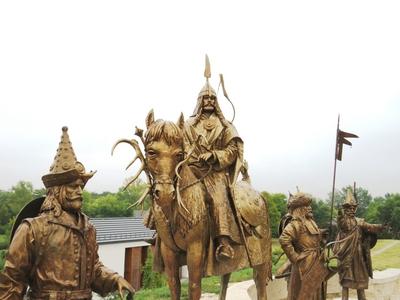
point(340, 140)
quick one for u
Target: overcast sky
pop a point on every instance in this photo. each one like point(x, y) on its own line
point(289, 66)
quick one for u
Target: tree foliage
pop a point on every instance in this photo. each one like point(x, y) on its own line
point(362, 195)
point(11, 202)
point(102, 205)
point(276, 209)
point(386, 210)
point(321, 212)
point(375, 210)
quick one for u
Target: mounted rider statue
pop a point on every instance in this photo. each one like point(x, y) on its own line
point(217, 160)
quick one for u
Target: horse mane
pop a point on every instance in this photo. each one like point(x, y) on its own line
point(164, 130)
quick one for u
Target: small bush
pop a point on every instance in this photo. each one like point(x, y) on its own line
point(152, 279)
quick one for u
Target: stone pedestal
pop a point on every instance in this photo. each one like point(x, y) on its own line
point(384, 286)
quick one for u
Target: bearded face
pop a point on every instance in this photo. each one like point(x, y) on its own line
point(350, 210)
point(308, 212)
point(209, 103)
point(72, 200)
point(304, 212)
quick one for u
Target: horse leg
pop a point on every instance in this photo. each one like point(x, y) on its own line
point(224, 286)
point(195, 263)
point(260, 273)
point(172, 271)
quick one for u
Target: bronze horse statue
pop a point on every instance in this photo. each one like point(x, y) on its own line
point(182, 220)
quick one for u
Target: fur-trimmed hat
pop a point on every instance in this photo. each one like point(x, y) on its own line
point(298, 200)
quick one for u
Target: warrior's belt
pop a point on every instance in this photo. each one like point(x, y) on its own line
point(60, 295)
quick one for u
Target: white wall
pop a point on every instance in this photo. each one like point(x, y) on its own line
point(113, 255)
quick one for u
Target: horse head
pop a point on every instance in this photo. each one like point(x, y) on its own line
point(163, 153)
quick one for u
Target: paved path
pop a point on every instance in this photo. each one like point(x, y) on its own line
point(388, 246)
point(238, 290)
point(209, 296)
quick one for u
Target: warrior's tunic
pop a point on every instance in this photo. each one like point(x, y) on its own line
point(56, 259)
point(353, 253)
point(300, 240)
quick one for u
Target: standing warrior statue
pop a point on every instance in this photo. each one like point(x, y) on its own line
point(354, 241)
point(301, 242)
point(216, 160)
point(55, 251)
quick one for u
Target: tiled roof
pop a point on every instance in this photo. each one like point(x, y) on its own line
point(124, 229)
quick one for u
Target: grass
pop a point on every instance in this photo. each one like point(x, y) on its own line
point(161, 293)
point(380, 244)
point(209, 284)
point(387, 259)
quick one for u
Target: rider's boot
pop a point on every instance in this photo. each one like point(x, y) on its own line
point(224, 250)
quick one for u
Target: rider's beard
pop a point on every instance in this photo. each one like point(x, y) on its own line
point(347, 223)
point(303, 212)
point(72, 204)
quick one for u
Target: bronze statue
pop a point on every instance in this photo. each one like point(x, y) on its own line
point(301, 241)
point(183, 197)
point(353, 243)
point(55, 252)
point(219, 152)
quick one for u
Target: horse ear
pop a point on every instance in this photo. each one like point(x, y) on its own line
point(150, 118)
point(181, 121)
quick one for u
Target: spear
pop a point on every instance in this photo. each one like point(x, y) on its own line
point(340, 140)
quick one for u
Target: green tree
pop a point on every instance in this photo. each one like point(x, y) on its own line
point(133, 192)
point(362, 195)
point(321, 212)
point(389, 212)
point(107, 206)
point(12, 202)
point(372, 212)
point(276, 209)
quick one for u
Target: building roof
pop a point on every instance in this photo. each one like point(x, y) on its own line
point(118, 230)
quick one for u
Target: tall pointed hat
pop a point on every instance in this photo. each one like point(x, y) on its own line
point(350, 200)
point(65, 168)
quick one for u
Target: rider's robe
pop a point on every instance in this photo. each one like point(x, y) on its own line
point(353, 253)
point(223, 141)
point(300, 240)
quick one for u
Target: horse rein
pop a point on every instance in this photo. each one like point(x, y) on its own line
point(197, 180)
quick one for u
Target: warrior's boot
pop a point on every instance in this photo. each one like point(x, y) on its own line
point(345, 293)
point(224, 250)
point(361, 295)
